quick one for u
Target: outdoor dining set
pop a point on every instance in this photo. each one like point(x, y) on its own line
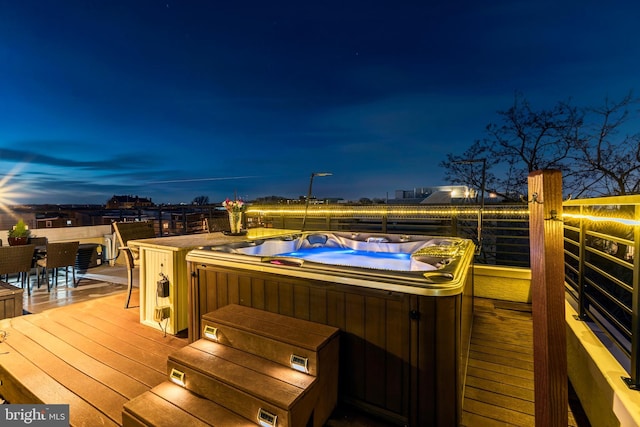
point(47, 258)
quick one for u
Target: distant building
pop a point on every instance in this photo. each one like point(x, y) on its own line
point(443, 194)
point(128, 202)
point(56, 222)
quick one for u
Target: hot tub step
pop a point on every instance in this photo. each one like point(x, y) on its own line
point(245, 384)
point(168, 405)
point(272, 336)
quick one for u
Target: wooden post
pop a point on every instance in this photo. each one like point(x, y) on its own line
point(548, 298)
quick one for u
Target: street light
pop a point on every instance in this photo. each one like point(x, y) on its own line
point(482, 185)
point(306, 206)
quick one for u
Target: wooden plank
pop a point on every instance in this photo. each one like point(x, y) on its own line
point(375, 354)
point(298, 332)
point(81, 363)
point(499, 375)
point(151, 410)
point(469, 419)
point(507, 416)
point(519, 350)
point(201, 408)
point(24, 383)
point(496, 367)
point(252, 362)
point(504, 359)
point(353, 360)
point(482, 383)
point(397, 361)
point(137, 333)
point(128, 366)
point(105, 399)
point(124, 345)
point(501, 400)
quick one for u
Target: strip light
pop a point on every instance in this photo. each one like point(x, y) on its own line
point(425, 212)
point(624, 221)
point(405, 211)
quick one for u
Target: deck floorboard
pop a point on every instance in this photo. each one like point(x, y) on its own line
point(81, 347)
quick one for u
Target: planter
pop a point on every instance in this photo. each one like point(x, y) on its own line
point(16, 241)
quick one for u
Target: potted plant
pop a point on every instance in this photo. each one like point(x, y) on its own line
point(19, 234)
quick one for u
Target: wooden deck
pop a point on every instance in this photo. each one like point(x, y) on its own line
point(85, 349)
point(499, 384)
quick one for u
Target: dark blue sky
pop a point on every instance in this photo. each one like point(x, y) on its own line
point(172, 100)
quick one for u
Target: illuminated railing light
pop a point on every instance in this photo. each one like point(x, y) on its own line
point(594, 218)
point(177, 377)
point(390, 212)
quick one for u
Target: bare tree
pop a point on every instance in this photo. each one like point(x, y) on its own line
point(523, 141)
point(608, 162)
point(585, 144)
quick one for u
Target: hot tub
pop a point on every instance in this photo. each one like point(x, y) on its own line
point(417, 264)
point(404, 304)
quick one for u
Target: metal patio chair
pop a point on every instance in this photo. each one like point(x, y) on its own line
point(59, 255)
point(17, 260)
point(132, 230)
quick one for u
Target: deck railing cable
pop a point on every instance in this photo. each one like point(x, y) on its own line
point(602, 271)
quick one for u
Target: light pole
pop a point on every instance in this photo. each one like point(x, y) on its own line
point(306, 206)
point(482, 185)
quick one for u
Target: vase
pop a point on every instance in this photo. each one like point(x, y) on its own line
point(235, 221)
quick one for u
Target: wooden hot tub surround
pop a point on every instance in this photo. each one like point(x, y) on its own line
point(403, 355)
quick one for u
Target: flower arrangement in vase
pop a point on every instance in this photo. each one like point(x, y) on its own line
point(19, 234)
point(235, 208)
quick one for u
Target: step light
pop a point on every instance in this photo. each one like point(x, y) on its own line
point(210, 332)
point(177, 377)
point(266, 419)
point(299, 363)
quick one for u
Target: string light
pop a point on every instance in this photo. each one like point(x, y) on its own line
point(420, 211)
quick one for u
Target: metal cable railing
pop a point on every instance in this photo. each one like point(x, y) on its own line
point(602, 269)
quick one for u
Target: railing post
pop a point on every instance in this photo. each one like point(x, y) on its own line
point(634, 381)
point(160, 221)
point(582, 284)
point(548, 300)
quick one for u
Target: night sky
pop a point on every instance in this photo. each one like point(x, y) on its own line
point(173, 100)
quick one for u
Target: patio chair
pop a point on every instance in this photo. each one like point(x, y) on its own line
point(59, 255)
point(126, 231)
point(17, 260)
point(218, 223)
point(41, 244)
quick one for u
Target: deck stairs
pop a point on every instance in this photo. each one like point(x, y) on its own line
point(252, 367)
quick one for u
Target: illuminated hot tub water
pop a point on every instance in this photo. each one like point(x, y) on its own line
point(421, 260)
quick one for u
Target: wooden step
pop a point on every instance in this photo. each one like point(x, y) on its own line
point(282, 338)
point(246, 384)
point(169, 405)
point(271, 335)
